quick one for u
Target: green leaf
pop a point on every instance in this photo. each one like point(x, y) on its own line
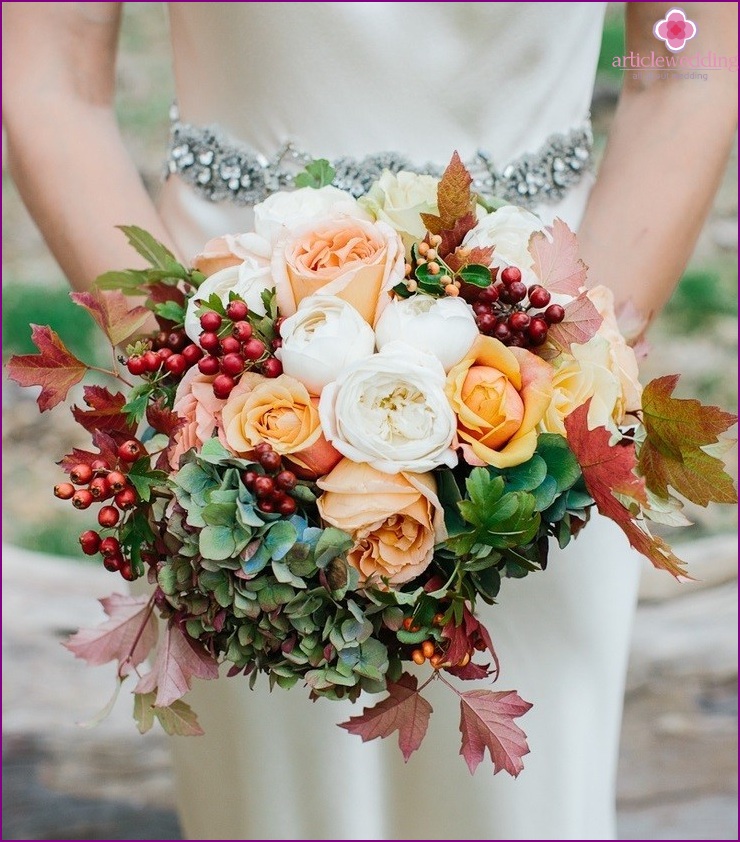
point(220, 514)
point(332, 543)
point(578, 499)
point(138, 400)
point(545, 493)
point(280, 538)
point(215, 453)
point(129, 281)
point(562, 465)
point(257, 561)
point(217, 543)
point(143, 478)
point(449, 495)
point(171, 311)
point(151, 250)
point(477, 275)
point(318, 173)
point(527, 476)
point(428, 282)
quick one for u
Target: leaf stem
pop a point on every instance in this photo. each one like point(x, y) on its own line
point(110, 374)
point(139, 633)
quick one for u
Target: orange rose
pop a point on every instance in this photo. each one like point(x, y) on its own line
point(230, 250)
point(283, 414)
point(355, 260)
point(395, 520)
point(200, 409)
point(499, 395)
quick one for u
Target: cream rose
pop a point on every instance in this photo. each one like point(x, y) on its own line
point(500, 395)
point(294, 208)
point(622, 359)
point(357, 261)
point(395, 520)
point(443, 327)
point(280, 412)
point(323, 338)
point(248, 280)
point(400, 199)
point(584, 373)
point(508, 229)
point(390, 410)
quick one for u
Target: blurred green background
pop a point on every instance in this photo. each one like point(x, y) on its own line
point(696, 335)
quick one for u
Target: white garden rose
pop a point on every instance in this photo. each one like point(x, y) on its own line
point(248, 280)
point(323, 338)
point(400, 199)
point(290, 209)
point(390, 410)
point(443, 327)
point(508, 229)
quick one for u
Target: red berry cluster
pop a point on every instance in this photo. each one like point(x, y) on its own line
point(271, 488)
point(101, 484)
point(231, 348)
point(505, 310)
point(171, 353)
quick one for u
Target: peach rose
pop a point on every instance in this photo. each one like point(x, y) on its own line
point(355, 260)
point(201, 410)
point(499, 395)
point(282, 413)
point(395, 520)
point(229, 250)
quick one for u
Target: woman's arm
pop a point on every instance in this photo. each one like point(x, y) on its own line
point(666, 154)
point(65, 151)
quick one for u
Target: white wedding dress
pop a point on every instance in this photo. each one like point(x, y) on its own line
point(422, 79)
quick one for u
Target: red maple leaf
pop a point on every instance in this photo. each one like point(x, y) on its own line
point(405, 710)
point(104, 413)
point(487, 722)
point(464, 640)
point(672, 453)
point(107, 452)
point(608, 470)
point(455, 205)
point(179, 660)
point(159, 292)
point(556, 261)
point(162, 419)
point(55, 369)
point(127, 637)
point(111, 311)
point(581, 323)
point(480, 256)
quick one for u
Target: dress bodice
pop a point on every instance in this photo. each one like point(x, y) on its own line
point(351, 79)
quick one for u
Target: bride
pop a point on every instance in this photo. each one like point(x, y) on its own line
point(260, 85)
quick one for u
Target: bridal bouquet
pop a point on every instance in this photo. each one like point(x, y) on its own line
point(348, 427)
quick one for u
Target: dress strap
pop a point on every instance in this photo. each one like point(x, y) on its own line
point(222, 169)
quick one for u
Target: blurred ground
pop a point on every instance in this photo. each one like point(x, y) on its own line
point(678, 768)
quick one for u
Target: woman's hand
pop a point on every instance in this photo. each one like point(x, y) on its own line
point(65, 151)
point(666, 154)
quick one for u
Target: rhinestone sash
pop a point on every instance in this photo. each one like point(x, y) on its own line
point(221, 169)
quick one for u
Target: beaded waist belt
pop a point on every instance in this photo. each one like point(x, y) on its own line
point(222, 169)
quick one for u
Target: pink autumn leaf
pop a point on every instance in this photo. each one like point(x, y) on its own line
point(179, 660)
point(487, 722)
point(556, 262)
point(55, 369)
point(405, 711)
point(127, 636)
point(111, 311)
point(581, 323)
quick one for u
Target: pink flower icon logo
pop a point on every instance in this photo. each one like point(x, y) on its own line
point(675, 29)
